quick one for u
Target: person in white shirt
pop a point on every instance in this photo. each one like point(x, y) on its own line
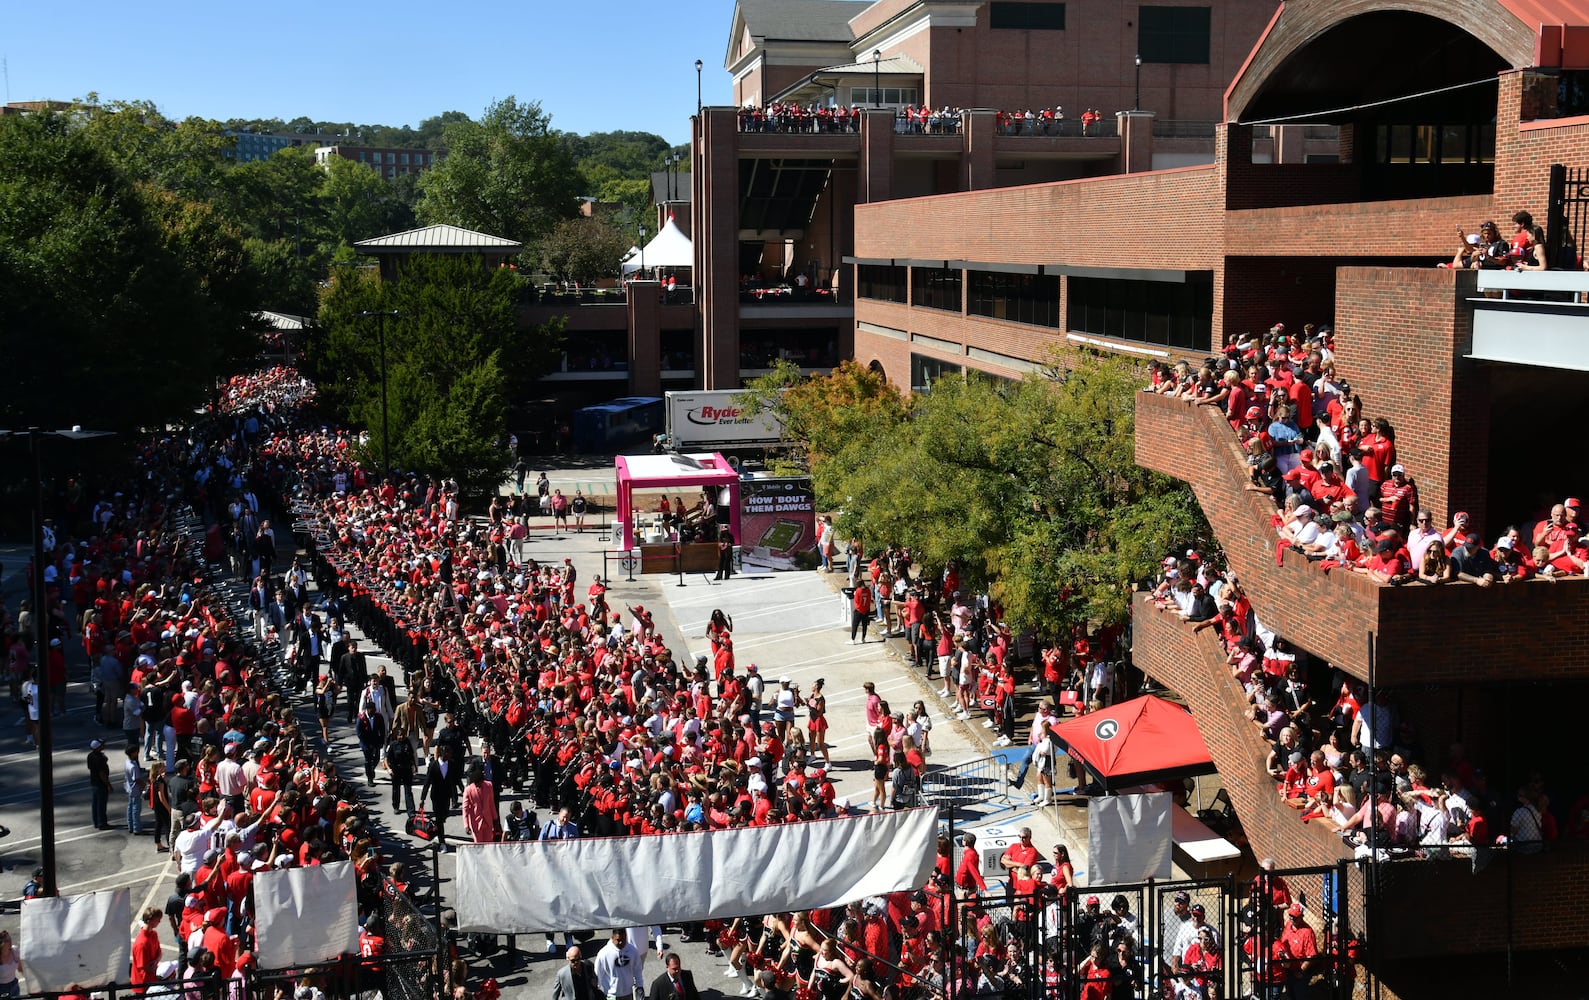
point(1423, 534)
point(190, 846)
point(619, 967)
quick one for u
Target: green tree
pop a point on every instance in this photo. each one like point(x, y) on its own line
point(507, 174)
point(583, 250)
point(455, 359)
point(1030, 487)
point(113, 285)
point(358, 203)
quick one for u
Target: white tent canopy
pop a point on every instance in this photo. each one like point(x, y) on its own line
point(630, 261)
point(669, 248)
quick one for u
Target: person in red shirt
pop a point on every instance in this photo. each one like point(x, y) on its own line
point(968, 877)
point(1398, 498)
point(1302, 950)
point(146, 949)
point(218, 943)
point(1020, 854)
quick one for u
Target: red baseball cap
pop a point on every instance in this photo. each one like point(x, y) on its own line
point(1295, 909)
point(1572, 502)
point(1253, 413)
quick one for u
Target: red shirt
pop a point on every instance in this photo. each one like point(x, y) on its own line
point(969, 874)
point(145, 956)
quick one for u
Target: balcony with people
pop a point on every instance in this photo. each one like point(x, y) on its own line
point(1317, 502)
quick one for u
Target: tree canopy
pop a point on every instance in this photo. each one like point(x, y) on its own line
point(456, 357)
point(1030, 487)
point(508, 175)
point(583, 250)
point(113, 272)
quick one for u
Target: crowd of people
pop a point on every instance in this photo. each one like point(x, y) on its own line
point(817, 118)
point(211, 748)
point(1342, 754)
point(1343, 497)
point(1051, 121)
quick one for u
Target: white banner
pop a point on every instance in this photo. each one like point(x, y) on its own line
point(77, 941)
point(1128, 838)
point(578, 885)
point(305, 915)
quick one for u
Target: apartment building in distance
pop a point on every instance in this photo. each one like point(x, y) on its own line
point(388, 163)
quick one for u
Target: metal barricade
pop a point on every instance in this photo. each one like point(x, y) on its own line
point(980, 780)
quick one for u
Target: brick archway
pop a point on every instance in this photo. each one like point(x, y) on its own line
point(1300, 23)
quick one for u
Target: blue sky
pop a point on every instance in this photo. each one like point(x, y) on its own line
point(595, 66)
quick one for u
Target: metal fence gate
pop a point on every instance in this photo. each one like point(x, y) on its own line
point(1567, 218)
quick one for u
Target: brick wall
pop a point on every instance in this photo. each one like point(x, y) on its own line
point(1401, 338)
point(1193, 666)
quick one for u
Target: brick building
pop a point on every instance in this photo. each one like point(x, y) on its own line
point(1462, 126)
point(388, 162)
point(770, 197)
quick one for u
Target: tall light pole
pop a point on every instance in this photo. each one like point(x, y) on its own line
point(41, 643)
point(877, 78)
point(698, 65)
point(642, 253)
point(380, 337)
point(669, 160)
point(1136, 102)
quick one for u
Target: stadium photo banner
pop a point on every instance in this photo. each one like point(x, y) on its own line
point(609, 882)
point(305, 915)
point(77, 941)
point(777, 522)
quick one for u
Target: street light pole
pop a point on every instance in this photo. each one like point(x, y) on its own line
point(642, 253)
point(380, 337)
point(877, 78)
point(41, 676)
point(41, 643)
point(698, 65)
point(1136, 102)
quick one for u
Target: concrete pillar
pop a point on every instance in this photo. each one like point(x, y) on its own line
point(717, 247)
point(1136, 140)
point(980, 126)
point(877, 155)
point(645, 338)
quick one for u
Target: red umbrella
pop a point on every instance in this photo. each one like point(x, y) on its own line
point(1136, 742)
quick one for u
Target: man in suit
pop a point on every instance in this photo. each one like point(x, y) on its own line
point(443, 784)
point(675, 983)
point(574, 980)
point(353, 673)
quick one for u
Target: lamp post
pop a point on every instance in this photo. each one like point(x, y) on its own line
point(877, 78)
point(698, 65)
point(1136, 102)
point(41, 643)
point(642, 253)
point(380, 338)
point(669, 160)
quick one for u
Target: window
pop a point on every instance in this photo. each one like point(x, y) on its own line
point(893, 96)
point(1167, 314)
point(1173, 34)
point(924, 371)
point(1413, 144)
point(1026, 16)
point(402, 158)
point(1019, 298)
point(880, 281)
point(936, 287)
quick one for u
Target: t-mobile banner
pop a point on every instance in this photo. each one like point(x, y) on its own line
point(778, 523)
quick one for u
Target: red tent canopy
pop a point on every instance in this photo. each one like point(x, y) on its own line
point(1139, 741)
